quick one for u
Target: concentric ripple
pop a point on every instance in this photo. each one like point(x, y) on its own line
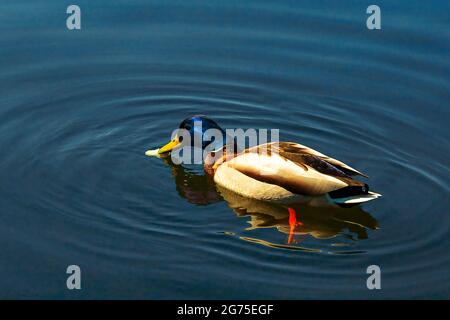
point(77, 115)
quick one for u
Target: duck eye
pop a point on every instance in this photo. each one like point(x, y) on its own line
point(180, 139)
point(213, 154)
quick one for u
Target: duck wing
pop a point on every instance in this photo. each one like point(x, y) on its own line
point(304, 155)
point(288, 165)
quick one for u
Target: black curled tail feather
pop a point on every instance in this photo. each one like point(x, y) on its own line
point(349, 191)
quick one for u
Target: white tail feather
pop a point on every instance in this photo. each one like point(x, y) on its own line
point(358, 198)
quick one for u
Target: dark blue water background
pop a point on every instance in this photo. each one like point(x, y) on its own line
point(78, 109)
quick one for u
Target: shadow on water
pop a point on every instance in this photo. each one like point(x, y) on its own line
point(297, 222)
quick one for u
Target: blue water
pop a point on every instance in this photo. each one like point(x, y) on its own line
point(79, 108)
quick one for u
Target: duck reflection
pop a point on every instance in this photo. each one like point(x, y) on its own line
point(193, 185)
point(301, 220)
point(295, 221)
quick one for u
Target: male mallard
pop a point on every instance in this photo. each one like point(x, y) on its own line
point(284, 172)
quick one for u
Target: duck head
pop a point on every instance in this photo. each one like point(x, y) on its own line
point(196, 131)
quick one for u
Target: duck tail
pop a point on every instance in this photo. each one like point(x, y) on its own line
point(353, 195)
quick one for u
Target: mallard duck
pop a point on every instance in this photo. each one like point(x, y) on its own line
point(282, 172)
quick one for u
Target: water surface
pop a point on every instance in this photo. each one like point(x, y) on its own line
point(79, 108)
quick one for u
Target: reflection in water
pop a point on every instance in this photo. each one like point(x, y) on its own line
point(296, 221)
point(196, 187)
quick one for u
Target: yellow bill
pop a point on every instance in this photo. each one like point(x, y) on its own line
point(170, 146)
